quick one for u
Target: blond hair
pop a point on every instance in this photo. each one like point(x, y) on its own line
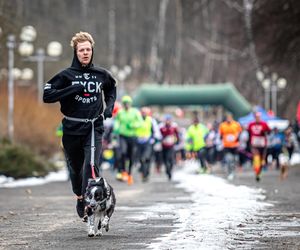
point(81, 37)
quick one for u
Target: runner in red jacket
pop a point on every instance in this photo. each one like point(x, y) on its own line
point(258, 131)
point(169, 132)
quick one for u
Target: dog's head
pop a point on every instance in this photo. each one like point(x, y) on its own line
point(96, 194)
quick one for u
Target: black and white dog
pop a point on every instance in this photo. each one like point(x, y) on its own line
point(100, 204)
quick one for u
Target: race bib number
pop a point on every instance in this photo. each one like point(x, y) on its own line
point(169, 140)
point(230, 138)
point(258, 141)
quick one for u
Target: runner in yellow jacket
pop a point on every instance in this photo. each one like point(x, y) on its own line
point(126, 123)
point(195, 138)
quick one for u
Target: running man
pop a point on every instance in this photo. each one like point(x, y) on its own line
point(195, 138)
point(126, 123)
point(146, 135)
point(258, 131)
point(79, 90)
point(170, 137)
point(229, 131)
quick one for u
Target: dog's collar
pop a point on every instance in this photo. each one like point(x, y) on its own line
point(99, 203)
point(102, 204)
point(104, 200)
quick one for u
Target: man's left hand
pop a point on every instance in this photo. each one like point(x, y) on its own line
point(107, 114)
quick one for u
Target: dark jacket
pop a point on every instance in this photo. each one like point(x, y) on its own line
point(79, 90)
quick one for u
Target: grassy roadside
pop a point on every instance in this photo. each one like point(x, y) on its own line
point(34, 123)
point(20, 162)
point(35, 140)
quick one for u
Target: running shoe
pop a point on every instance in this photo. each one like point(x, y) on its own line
point(80, 207)
point(230, 177)
point(130, 180)
point(119, 177)
point(257, 178)
point(124, 176)
point(202, 170)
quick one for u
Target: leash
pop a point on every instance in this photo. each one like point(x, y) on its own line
point(93, 148)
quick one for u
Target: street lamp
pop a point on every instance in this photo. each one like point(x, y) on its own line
point(27, 35)
point(23, 76)
point(10, 44)
point(266, 83)
point(277, 84)
point(54, 50)
point(271, 85)
point(27, 74)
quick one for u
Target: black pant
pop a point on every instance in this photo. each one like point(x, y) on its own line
point(168, 155)
point(230, 159)
point(275, 156)
point(201, 156)
point(144, 153)
point(211, 154)
point(78, 153)
point(127, 146)
point(290, 151)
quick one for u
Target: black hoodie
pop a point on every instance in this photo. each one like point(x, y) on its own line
point(79, 90)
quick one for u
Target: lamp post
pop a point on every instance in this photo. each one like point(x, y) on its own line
point(11, 43)
point(27, 35)
point(277, 84)
point(265, 82)
point(54, 50)
point(271, 84)
point(25, 76)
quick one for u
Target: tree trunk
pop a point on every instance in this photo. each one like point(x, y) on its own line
point(158, 45)
point(112, 32)
point(84, 14)
point(178, 52)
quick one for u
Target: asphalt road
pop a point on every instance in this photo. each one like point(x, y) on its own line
point(44, 217)
point(279, 226)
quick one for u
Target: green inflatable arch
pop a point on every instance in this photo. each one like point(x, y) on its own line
point(184, 95)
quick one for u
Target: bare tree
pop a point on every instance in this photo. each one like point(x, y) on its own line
point(179, 42)
point(112, 31)
point(158, 44)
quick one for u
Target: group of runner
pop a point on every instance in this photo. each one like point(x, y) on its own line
point(135, 138)
point(87, 96)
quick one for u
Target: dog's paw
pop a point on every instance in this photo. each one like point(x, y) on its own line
point(106, 227)
point(99, 233)
point(91, 233)
point(105, 221)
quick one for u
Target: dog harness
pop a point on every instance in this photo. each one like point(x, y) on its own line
point(92, 162)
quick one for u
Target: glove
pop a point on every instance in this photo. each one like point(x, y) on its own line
point(107, 113)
